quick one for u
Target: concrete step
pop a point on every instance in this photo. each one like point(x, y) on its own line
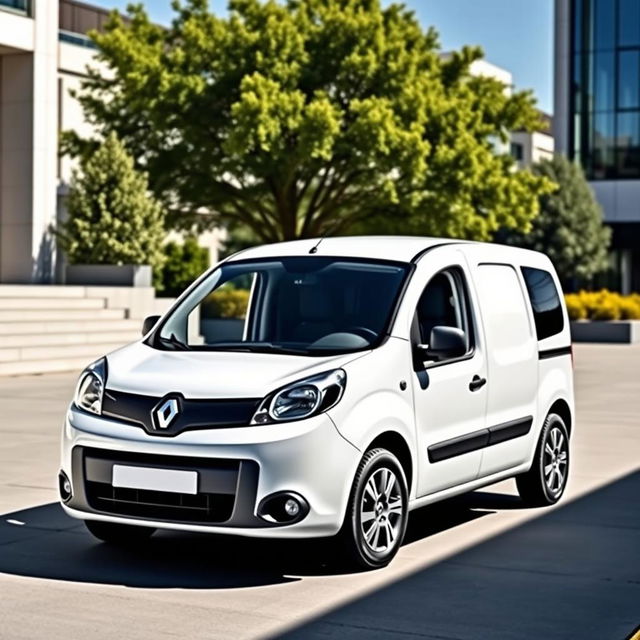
point(69, 315)
point(52, 303)
point(70, 338)
point(41, 291)
point(44, 325)
point(22, 367)
point(59, 351)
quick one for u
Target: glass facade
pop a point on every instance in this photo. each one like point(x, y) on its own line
point(605, 96)
point(22, 6)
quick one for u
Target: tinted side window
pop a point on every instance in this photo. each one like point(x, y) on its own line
point(444, 303)
point(547, 309)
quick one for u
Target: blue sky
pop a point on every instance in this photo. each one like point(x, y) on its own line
point(515, 34)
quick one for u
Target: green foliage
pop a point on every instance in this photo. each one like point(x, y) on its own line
point(602, 305)
point(308, 117)
point(111, 217)
point(569, 228)
point(184, 263)
point(227, 302)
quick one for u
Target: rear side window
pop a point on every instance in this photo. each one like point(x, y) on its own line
point(545, 301)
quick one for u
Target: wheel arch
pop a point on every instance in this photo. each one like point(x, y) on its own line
point(395, 443)
point(561, 407)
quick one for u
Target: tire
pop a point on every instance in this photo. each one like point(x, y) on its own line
point(118, 534)
point(545, 482)
point(379, 493)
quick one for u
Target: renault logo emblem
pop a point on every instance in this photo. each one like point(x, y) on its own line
point(165, 413)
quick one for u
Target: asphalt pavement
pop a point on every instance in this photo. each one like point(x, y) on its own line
point(478, 566)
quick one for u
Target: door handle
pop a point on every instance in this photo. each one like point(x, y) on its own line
point(476, 383)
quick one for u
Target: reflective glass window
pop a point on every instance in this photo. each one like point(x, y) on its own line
point(629, 79)
point(628, 23)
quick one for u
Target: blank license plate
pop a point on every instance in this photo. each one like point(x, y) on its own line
point(155, 479)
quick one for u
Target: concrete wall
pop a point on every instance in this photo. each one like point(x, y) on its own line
point(28, 146)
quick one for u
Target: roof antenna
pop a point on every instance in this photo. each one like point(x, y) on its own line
point(314, 249)
point(328, 232)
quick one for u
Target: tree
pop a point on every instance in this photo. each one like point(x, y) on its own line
point(184, 263)
point(112, 219)
point(569, 227)
point(310, 117)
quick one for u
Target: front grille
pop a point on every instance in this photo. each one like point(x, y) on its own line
point(214, 502)
point(139, 410)
point(159, 505)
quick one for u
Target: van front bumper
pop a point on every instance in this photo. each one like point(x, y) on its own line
point(237, 469)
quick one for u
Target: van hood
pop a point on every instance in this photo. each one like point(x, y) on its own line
point(140, 369)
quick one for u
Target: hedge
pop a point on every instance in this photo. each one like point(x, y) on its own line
point(227, 302)
point(602, 305)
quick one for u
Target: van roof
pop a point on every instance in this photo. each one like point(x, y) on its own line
point(397, 248)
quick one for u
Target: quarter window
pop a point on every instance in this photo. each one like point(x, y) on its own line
point(545, 301)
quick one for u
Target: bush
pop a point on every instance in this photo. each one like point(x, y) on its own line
point(184, 263)
point(630, 308)
point(602, 305)
point(112, 217)
point(607, 310)
point(227, 302)
point(575, 307)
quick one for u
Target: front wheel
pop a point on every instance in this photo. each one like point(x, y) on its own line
point(376, 517)
point(545, 482)
point(118, 534)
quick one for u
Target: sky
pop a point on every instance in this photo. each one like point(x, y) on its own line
point(516, 35)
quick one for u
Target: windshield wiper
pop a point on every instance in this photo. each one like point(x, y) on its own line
point(174, 342)
point(254, 347)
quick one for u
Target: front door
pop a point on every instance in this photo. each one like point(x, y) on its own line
point(450, 395)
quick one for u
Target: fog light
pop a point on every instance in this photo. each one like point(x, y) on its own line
point(64, 486)
point(284, 507)
point(292, 507)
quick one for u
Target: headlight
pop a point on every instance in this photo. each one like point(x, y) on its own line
point(90, 387)
point(302, 399)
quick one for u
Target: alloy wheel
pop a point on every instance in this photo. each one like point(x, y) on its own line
point(556, 455)
point(381, 510)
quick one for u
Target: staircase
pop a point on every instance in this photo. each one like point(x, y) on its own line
point(60, 328)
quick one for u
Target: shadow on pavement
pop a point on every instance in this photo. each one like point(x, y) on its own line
point(44, 542)
point(572, 573)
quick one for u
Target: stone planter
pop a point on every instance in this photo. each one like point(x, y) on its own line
point(109, 275)
point(618, 331)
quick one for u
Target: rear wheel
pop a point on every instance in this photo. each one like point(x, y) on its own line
point(118, 534)
point(545, 482)
point(376, 517)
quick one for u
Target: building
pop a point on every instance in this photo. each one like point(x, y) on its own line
point(526, 147)
point(529, 147)
point(597, 114)
point(44, 53)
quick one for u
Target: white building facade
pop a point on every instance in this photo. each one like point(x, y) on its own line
point(44, 54)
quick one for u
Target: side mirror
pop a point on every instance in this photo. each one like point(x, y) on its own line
point(149, 323)
point(445, 343)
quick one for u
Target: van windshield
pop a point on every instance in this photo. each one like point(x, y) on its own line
point(307, 305)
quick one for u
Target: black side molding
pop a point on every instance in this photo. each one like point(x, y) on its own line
point(510, 430)
point(458, 446)
point(554, 353)
point(479, 439)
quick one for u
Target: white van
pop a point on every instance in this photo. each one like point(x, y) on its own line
point(326, 388)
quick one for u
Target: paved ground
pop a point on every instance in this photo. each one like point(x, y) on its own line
point(475, 567)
